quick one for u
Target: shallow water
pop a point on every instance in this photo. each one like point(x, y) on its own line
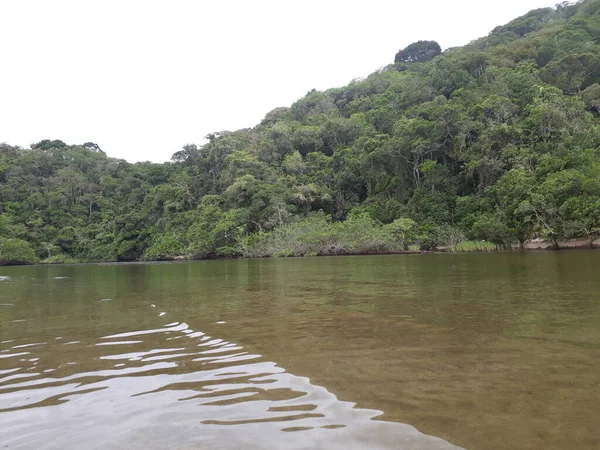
point(494, 351)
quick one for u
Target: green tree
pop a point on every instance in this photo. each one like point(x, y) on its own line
point(420, 51)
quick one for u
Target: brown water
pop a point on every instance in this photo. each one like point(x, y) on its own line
point(494, 351)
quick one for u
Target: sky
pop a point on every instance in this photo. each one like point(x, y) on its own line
point(143, 78)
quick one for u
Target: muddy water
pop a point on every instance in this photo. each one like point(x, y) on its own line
point(498, 351)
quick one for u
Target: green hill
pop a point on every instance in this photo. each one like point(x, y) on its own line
point(498, 140)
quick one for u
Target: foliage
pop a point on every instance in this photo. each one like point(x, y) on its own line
point(60, 259)
point(16, 251)
point(317, 234)
point(496, 141)
point(475, 246)
point(165, 246)
point(420, 51)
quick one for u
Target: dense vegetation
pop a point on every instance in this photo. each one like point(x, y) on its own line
point(497, 141)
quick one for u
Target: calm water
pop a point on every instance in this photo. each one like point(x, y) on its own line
point(498, 351)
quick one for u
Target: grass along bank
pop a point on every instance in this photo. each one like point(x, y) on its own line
point(475, 246)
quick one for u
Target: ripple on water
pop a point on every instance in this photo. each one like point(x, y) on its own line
point(204, 392)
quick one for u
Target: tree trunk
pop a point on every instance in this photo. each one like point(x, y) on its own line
point(591, 241)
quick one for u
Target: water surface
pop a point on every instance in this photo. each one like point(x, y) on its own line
point(498, 351)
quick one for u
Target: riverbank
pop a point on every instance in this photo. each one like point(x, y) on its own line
point(535, 245)
point(562, 244)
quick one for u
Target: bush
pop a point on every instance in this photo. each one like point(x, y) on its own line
point(16, 251)
point(165, 247)
point(493, 229)
point(404, 231)
point(316, 235)
point(227, 252)
point(432, 237)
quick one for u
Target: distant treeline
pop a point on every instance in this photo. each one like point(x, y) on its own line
point(496, 141)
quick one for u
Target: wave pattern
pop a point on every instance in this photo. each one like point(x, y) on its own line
point(174, 387)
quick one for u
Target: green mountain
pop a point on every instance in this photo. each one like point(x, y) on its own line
point(498, 140)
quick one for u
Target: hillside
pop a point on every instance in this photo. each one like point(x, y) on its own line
point(498, 140)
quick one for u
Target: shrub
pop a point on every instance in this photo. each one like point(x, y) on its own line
point(61, 258)
point(165, 246)
point(492, 229)
point(16, 251)
point(316, 234)
point(437, 236)
point(403, 231)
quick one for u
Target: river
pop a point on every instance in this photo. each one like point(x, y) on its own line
point(477, 351)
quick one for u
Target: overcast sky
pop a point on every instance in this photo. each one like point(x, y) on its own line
point(143, 78)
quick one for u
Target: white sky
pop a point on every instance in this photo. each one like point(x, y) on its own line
point(142, 78)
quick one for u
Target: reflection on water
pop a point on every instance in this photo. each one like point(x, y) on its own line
point(174, 387)
point(498, 351)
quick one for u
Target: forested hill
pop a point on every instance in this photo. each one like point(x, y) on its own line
point(497, 141)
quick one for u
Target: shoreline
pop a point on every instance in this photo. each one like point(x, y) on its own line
point(533, 246)
point(563, 244)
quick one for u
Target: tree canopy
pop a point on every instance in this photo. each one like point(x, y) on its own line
point(498, 140)
point(420, 51)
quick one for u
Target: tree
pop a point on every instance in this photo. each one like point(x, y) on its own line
point(573, 73)
point(420, 51)
point(92, 147)
point(47, 144)
point(403, 231)
point(308, 194)
point(591, 97)
point(293, 163)
point(164, 247)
